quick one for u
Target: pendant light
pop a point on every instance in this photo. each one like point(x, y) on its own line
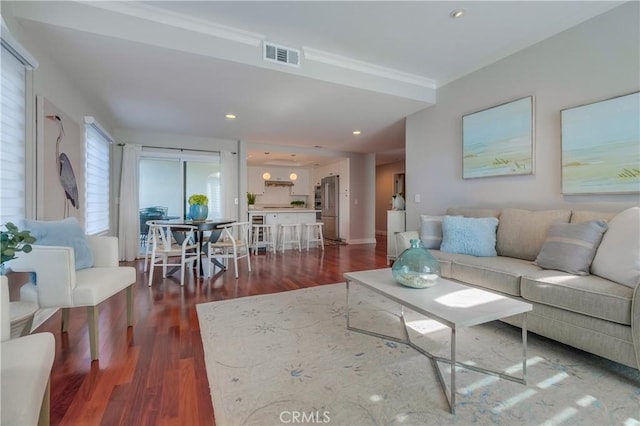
point(266, 175)
point(293, 175)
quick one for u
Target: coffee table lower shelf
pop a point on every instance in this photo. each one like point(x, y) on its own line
point(450, 394)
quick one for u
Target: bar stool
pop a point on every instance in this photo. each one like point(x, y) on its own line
point(294, 235)
point(314, 233)
point(263, 236)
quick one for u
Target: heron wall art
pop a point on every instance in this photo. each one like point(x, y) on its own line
point(65, 170)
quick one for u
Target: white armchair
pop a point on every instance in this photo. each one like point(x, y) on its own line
point(58, 284)
point(25, 371)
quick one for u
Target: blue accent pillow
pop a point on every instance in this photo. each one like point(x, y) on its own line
point(469, 235)
point(66, 233)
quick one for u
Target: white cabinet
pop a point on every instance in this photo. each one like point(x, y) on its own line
point(395, 225)
point(301, 186)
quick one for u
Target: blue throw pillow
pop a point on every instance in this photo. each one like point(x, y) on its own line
point(469, 235)
point(66, 233)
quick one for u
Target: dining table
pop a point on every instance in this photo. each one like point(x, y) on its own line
point(208, 225)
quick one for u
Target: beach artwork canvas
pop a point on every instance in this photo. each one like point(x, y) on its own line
point(601, 147)
point(498, 141)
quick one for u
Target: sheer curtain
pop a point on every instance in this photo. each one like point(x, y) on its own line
point(229, 184)
point(129, 226)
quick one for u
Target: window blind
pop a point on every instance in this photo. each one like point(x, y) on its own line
point(12, 139)
point(97, 180)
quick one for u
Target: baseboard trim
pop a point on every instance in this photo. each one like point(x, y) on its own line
point(362, 241)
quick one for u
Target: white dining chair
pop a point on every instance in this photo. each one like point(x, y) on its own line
point(170, 241)
point(232, 244)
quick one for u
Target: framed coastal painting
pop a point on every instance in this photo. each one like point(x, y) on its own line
point(498, 141)
point(601, 147)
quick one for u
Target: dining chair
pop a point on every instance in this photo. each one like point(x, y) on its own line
point(172, 241)
point(148, 243)
point(232, 244)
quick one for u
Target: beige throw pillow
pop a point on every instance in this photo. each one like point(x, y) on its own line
point(522, 233)
point(618, 257)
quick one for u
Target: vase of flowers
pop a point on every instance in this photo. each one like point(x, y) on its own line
point(14, 241)
point(198, 207)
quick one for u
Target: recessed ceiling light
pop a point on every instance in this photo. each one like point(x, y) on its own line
point(230, 116)
point(457, 13)
point(356, 132)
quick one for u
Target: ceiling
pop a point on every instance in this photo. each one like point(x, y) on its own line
point(180, 66)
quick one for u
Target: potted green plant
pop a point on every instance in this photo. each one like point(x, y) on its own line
point(14, 241)
point(198, 207)
point(298, 203)
point(251, 200)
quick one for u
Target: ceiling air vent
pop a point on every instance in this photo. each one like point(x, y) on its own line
point(281, 55)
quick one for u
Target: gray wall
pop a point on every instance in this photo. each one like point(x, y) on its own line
point(596, 60)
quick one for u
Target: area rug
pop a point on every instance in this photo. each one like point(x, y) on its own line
point(287, 358)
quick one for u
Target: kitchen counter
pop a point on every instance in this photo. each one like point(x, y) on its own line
point(264, 210)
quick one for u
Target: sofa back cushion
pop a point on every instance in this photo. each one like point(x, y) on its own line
point(521, 233)
point(473, 212)
point(581, 216)
point(618, 256)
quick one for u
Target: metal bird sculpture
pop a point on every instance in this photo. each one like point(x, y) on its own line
point(65, 170)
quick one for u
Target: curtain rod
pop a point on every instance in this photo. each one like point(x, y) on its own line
point(175, 149)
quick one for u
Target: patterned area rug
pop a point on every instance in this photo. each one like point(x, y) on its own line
point(287, 358)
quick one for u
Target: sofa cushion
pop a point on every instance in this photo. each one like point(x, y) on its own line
point(570, 247)
point(579, 216)
point(467, 235)
point(496, 273)
point(522, 233)
point(618, 256)
point(588, 295)
point(431, 231)
point(445, 260)
point(473, 212)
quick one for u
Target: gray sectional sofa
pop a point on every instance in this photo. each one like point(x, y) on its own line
point(598, 311)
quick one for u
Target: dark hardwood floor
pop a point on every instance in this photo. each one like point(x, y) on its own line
point(154, 372)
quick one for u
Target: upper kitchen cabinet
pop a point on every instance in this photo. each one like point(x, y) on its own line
point(301, 186)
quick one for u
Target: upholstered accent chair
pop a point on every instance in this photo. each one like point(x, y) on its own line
point(58, 284)
point(25, 371)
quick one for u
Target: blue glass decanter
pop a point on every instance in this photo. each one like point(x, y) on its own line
point(416, 267)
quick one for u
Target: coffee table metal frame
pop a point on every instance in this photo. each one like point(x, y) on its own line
point(381, 281)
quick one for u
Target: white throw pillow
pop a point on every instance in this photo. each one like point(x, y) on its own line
point(618, 257)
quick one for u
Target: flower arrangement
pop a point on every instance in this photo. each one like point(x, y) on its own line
point(14, 241)
point(251, 198)
point(198, 200)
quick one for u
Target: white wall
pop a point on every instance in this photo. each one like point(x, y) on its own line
point(596, 60)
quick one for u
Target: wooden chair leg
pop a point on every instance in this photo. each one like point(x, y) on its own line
point(130, 317)
point(93, 315)
point(45, 419)
point(64, 327)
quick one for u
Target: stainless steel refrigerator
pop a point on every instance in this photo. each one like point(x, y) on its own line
point(331, 207)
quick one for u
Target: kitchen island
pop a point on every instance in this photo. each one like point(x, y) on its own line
point(284, 215)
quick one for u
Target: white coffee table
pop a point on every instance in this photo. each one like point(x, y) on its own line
point(450, 303)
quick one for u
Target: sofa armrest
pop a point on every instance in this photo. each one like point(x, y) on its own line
point(55, 269)
point(635, 323)
point(104, 250)
point(403, 240)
